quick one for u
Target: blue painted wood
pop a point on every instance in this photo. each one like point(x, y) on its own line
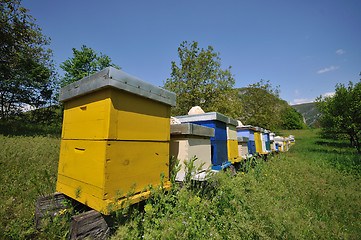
point(218, 142)
point(220, 128)
point(277, 147)
point(250, 134)
point(219, 152)
point(223, 166)
point(251, 147)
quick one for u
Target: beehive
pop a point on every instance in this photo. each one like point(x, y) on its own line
point(218, 122)
point(189, 140)
point(272, 142)
point(115, 138)
point(267, 140)
point(248, 131)
point(286, 144)
point(292, 138)
point(232, 143)
point(243, 147)
point(258, 140)
point(280, 142)
point(263, 140)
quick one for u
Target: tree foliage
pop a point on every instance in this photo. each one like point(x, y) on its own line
point(341, 113)
point(84, 63)
point(198, 80)
point(26, 69)
point(291, 118)
point(262, 105)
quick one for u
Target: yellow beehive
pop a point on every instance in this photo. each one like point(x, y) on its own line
point(232, 143)
point(115, 139)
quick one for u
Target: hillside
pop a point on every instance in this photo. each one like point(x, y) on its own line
point(309, 111)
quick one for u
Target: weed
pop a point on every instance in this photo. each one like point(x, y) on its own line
point(312, 191)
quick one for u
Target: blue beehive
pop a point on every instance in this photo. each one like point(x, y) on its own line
point(218, 122)
point(277, 147)
point(248, 131)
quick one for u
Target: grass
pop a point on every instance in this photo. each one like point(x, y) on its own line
point(28, 167)
point(312, 191)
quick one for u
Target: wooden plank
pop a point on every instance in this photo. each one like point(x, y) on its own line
point(48, 205)
point(91, 225)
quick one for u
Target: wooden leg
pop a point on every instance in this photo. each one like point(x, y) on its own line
point(91, 224)
point(48, 205)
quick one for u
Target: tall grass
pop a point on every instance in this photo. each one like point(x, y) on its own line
point(301, 194)
point(312, 191)
point(28, 167)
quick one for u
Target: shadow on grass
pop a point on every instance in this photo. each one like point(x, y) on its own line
point(335, 144)
point(343, 159)
point(21, 128)
point(40, 122)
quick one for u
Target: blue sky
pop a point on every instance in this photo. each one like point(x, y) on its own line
point(305, 47)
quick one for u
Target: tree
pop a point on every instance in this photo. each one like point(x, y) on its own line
point(291, 118)
point(200, 81)
point(261, 105)
point(26, 70)
point(83, 63)
point(341, 113)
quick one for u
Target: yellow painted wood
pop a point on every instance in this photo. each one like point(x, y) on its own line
point(87, 117)
point(232, 146)
point(99, 171)
point(258, 142)
point(139, 118)
point(132, 162)
point(285, 146)
point(272, 147)
point(109, 205)
point(115, 114)
point(113, 142)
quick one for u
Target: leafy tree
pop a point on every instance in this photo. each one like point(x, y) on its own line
point(198, 80)
point(261, 105)
point(84, 63)
point(341, 113)
point(27, 74)
point(291, 118)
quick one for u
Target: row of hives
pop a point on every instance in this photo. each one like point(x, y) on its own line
point(219, 141)
point(117, 138)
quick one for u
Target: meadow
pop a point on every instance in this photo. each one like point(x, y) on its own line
point(310, 192)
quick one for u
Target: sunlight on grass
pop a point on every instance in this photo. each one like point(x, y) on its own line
point(312, 191)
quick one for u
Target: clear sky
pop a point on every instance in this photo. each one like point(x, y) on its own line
point(305, 47)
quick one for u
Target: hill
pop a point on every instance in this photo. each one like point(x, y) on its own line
point(309, 111)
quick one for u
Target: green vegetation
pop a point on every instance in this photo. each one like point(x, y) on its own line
point(291, 119)
point(27, 76)
point(341, 113)
point(262, 106)
point(200, 81)
point(312, 191)
point(40, 122)
point(28, 168)
point(83, 63)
